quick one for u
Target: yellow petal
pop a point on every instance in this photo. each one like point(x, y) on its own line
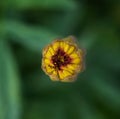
point(61, 75)
point(54, 73)
point(54, 76)
point(47, 61)
point(74, 55)
point(47, 54)
point(64, 74)
point(56, 45)
point(50, 49)
point(66, 47)
point(71, 67)
point(49, 69)
point(76, 61)
point(62, 45)
point(71, 49)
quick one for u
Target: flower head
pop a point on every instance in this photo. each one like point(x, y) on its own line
point(63, 60)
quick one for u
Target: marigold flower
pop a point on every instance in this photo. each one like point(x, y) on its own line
point(63, 60)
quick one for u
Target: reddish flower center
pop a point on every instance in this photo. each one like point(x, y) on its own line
point(60, 58)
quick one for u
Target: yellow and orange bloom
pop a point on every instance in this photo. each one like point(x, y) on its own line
point(63, 60)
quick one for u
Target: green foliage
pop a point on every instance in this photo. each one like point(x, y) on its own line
point(9, 83)
point(26, 27)
point(31, 37)
point(44, 4)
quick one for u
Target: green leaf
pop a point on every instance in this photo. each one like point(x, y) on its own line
point(33, 38)
point(2, 28)
point(103, 90)
point(88, 111)
point(65, 23)
point(44, 4)
point(45, 109)
point(9, 83)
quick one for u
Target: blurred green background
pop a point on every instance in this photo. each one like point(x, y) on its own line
point(26, 26)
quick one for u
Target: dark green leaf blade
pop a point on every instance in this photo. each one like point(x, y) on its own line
point(9, 83)
point(33, 38)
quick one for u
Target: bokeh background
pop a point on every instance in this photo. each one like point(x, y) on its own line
point(26, 26)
